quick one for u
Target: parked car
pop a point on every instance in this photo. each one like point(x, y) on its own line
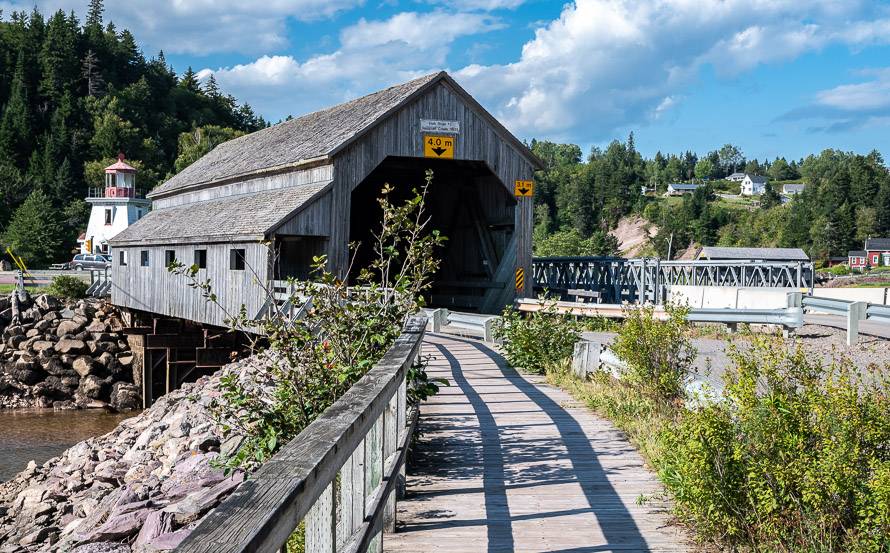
point(89, 261)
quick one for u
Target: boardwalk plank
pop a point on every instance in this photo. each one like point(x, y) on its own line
point(508, 463)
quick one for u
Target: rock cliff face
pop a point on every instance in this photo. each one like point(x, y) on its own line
point(61, 355)
point(141, 488)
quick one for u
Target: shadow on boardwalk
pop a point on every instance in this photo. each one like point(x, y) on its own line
point(506, 463)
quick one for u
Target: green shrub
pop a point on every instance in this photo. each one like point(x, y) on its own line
point(535, 341)
point(796, 458)
point(68, 287)
point(658, 352)
point(837, 270)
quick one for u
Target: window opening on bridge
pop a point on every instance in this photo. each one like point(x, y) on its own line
point(201, 259)
point(169, 257)
point(107, 216)
point(122, 258)
point(295, 255)
point(236, 259)
point(143, 258)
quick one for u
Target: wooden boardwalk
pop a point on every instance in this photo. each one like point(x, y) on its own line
point(508, 463)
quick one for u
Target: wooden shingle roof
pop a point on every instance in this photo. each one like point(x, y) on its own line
point(313, 137)
point(231, 218)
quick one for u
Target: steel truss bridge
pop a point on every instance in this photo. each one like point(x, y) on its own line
point(646, 279)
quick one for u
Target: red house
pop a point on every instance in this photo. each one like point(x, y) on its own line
point(878, 251)
point(875, 254)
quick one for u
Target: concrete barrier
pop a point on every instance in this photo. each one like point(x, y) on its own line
point(733, 297)
point(868, 295)
point(729, 297)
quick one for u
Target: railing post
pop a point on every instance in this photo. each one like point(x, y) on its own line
point(373, 476)
point(391, 431)
point(321, 524)
point(856, 314)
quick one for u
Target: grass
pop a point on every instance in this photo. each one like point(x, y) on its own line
point(7, 288)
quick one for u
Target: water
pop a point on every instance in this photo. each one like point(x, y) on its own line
point(41, 434)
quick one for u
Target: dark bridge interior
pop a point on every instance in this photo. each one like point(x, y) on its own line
point(469, 205)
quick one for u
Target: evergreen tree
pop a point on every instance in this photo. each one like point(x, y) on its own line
point(770, 198)
point(94, 14)
point(35, 233)
point(15, 124)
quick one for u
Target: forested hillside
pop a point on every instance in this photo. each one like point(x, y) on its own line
point(73, 94)
point(847, 198)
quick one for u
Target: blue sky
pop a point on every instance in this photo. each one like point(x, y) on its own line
point(775, 77)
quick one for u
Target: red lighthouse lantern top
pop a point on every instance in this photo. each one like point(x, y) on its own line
point(120, 179)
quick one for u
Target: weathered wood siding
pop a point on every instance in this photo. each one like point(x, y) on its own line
point(156, 290)
point(322, 173)
point(313, 220)
point(400, 135)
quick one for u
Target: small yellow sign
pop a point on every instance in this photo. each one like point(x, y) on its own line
point(438, 146)
point(524, 188)
point(520, 279)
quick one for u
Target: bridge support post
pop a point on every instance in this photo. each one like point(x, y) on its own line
point(856, 314)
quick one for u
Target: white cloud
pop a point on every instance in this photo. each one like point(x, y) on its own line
point(202, 26)
point(606, 64)
point(372, 54)
point(416, 30)
point(860, 97)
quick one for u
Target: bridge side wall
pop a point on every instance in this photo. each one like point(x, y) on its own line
point(156, 290)
point(400, 135)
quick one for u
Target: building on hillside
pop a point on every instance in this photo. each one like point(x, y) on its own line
point(782, 255)
point(792, 188)
point(259, 208)
point(736, 177)
point(680, 188)
point(837, 260)
point(857, 260)
point(878, 251)
point(753, 185)
point(114, 208)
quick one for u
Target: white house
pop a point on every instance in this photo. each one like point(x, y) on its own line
point(792, 188)
point(114, 208)
point(680, 188)
point(736, 177)
point(753, 185)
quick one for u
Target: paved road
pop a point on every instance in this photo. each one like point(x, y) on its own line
point(507, 463)
point(871, 328)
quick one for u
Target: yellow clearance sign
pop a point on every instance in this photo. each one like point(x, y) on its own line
point(524, 188)
point(441, 147)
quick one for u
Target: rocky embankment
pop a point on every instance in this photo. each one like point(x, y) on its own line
point(66, 356)
point(141, 488)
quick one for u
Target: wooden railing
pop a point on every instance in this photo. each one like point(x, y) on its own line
point(341, 475)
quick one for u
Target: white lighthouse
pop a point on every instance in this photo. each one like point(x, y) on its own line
point(114, 208)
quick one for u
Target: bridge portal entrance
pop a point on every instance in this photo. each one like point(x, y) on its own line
point(469, 205)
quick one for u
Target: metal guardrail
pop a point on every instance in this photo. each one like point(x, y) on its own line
point(352, 455)
point(452, 322)
point(854, 311)
point(878, 313)
point(789, 317)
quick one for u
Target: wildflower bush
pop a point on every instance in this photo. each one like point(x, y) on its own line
point(315, 359)
point(536, 340)
point(796, 458)
point(658, 352)
point(67, 287)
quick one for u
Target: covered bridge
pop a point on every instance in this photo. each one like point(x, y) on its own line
point(308, 187)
